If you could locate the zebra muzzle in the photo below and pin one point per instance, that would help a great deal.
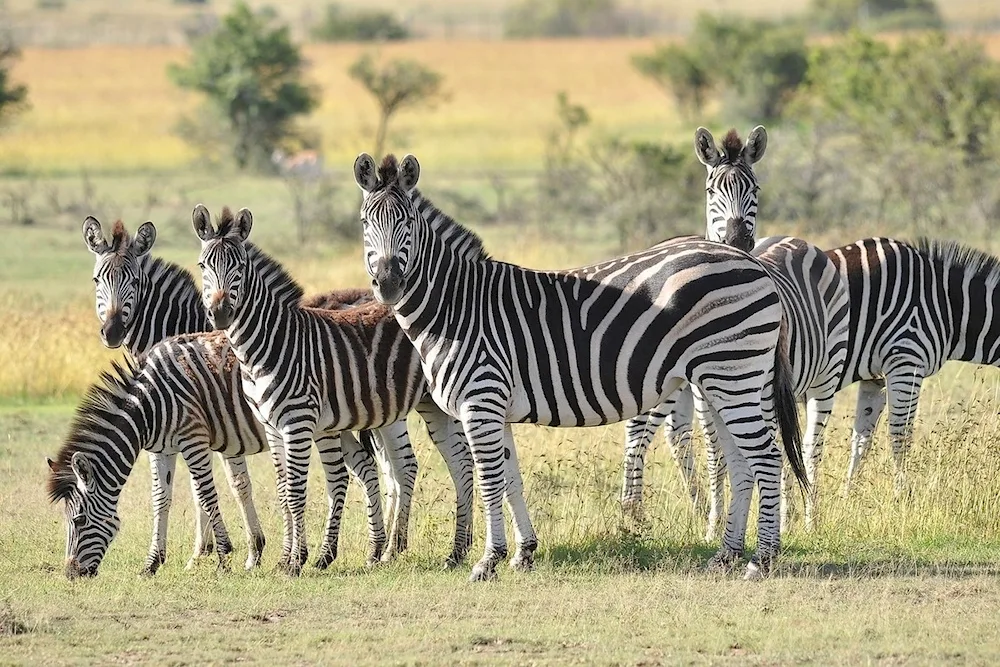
(388, 281)
(113, 330)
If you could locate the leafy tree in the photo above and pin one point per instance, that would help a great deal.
(13, 97)
(252, 74)
(568, 18)
(678, 72)
(396, 85)
(362, 25)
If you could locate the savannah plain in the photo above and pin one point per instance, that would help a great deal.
(880, 581)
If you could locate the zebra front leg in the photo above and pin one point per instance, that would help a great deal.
(242, 488)
(639, 432)
(484, 429)
(870, 404)
(276, 449)
(161, 470)
(198, 458)
(361, 462)
(394, 440)
(449, 438)
(331, 457)
(715, 463)
(818, 409)
(297, 437)
(524, 533)
(903, 388)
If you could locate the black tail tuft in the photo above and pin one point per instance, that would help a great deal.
(786, 409)
(367, 439)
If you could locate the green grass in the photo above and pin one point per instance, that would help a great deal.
(880, 581)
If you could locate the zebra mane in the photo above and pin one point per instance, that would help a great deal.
(465, 242)
(166, 274)
(279, 282)
(954, 254)
(732, 146)
(105, 397)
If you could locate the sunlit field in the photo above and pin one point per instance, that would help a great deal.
(882, 580)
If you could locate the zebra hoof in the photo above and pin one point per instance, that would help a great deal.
(723, 562)
(153, 563)
(455, 558)
(523, 562)
(632, 509)
(484, 570)
(324, 561)
(758, 569)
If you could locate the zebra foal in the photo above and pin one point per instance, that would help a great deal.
(501, 344)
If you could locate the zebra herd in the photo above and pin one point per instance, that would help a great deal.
(724, 326)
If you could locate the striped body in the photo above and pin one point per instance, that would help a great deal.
(500, 343)
(913, 307)
(307, 371)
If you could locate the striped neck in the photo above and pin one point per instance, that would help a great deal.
(169, 304)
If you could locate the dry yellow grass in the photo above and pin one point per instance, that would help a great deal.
(113, 107)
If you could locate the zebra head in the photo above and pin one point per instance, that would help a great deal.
(223, 261)
(387, 220)
(119, 278)
(731, 186)
(91, 516)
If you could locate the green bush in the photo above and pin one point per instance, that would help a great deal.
(570, 18)
(842, 15)
(362, 25)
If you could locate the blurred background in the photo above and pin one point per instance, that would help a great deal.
(561, 130)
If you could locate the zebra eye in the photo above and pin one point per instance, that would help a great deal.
(79, 520)
(95, 281)
(711, 191)
(201, 265)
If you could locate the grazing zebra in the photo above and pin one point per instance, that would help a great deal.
(141, 301)
(306, 370)
(502, 344)
(913, 307)
(815, 302)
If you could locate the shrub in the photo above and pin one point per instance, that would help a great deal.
(362, 25)
(571, 18)
(842, 15)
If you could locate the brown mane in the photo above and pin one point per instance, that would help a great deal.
(366, 315)
(732, 146)
(339, 299)
(120, 239)
(388, 171)
(226, 221)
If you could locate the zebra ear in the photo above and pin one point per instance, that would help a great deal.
(202, 221)
(244, 221)
(704, 148)
(409, 173)
(93, 236)
(144, 239)
(51, 464)
(364, 172)
(83, 470)
(756, 144)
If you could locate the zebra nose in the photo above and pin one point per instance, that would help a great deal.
(222, 314)
(739, 234)
(113, 330)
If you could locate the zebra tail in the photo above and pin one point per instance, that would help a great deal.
(367, 439)
(786, 408)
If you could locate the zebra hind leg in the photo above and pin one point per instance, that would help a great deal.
(524, 533)
(242, 488)
(394, 441)
(198, 458)
(361, 462)
(870, 405)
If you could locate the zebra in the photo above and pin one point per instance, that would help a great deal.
(183, 396)
(914, 306)
(501, 344)
(815, 301)
(306, 370)
(141, 301)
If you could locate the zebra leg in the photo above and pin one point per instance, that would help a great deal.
(449, 438)
(242, 488)
(331, 457)
(298, 437)
(198, 458)
(741, 484)
(715, 462)
(276, 448)
(871, 403)
(766, 461)
(361, 462)
(524, 533)
(818, 409)
(639, 432)
(161, 470)
(903, 389)
(484, 428)
(394, 440)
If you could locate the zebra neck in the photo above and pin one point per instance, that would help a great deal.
(262, 321)
(169, 304)
(975, 328)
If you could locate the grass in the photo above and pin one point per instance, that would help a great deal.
(880, 581)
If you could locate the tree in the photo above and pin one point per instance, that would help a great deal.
(359, 25)
(842, 15)
(679, 72)
(252, 74)
(396, 85)
(13, 97)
